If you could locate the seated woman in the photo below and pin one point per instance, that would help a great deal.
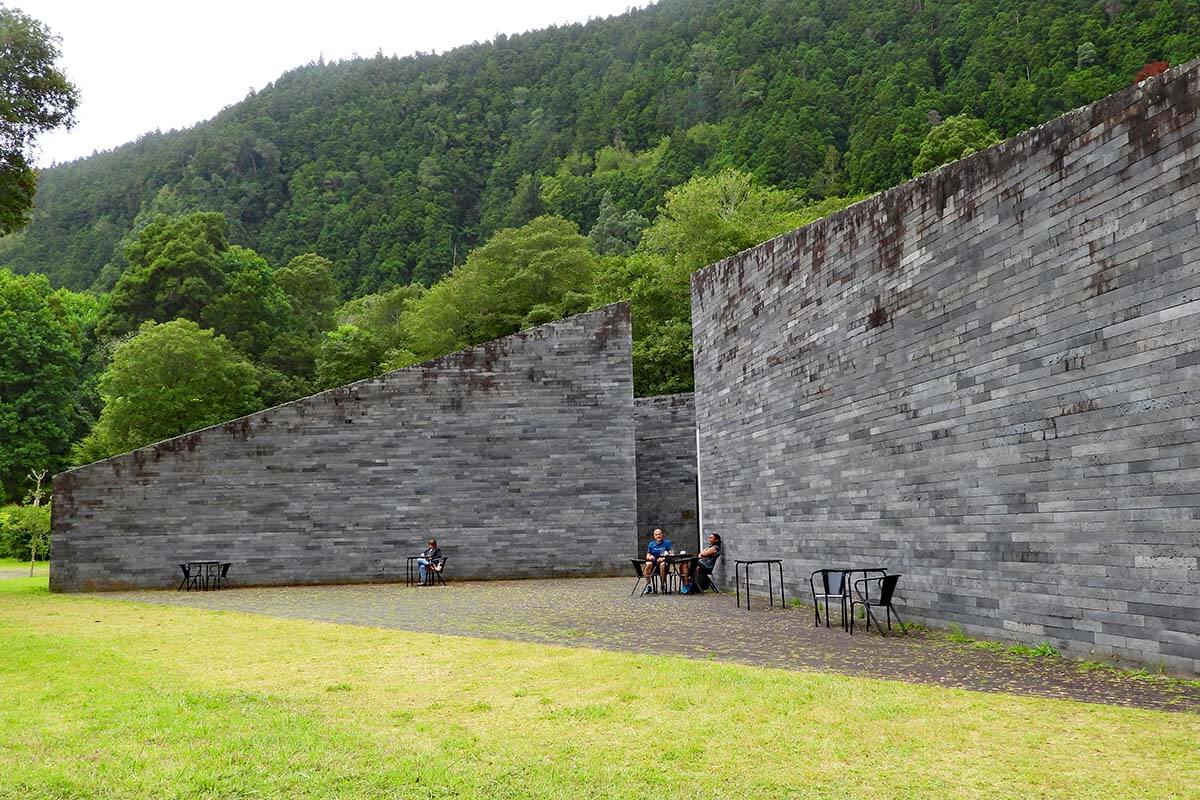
(430, 559)
(707, 563)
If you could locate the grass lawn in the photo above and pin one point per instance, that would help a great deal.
(109, 699)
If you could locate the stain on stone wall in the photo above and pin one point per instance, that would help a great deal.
(987, 379)
(518, 455)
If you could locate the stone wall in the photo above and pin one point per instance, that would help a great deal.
(666, 469)
(987, 379)
(518, 455)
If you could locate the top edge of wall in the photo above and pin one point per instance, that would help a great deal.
(612, 314)
(959, 177)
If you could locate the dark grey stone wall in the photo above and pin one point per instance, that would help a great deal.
(666, 469)
(987, 379)
(517, 455)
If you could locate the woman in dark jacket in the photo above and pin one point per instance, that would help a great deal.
(431, 558)
(708, 562)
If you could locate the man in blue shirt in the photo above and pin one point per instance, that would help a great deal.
(656, 555)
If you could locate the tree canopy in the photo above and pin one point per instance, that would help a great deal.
(951, 140)
(39, 359)
(34, 97)
(168, 379)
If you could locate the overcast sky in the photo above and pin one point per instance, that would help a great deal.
(142, 66)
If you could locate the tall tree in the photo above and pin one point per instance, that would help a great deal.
(39, 359)
(522, 276)
(34, 97)
(175, 270)
(957, 137)
(169, 379)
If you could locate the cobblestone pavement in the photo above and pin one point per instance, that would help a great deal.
(599, 613)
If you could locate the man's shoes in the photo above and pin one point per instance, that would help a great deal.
(648, 590)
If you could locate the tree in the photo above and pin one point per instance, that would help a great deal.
(175, 270)
(955, 138)
(382, 314)
(348, 353)
(39, 359)
(709, 218)
(252, 310)
(829, 180)
(169, 379)
(308, 282)
(39, 542)
(616, 232)
(36, 98)
(499, 289)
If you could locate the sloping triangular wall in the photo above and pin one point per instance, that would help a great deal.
(517, 455)
(987, 379)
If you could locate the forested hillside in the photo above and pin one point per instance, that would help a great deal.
(395, 168)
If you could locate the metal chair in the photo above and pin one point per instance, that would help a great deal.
(704, 581)
(833, 584)
(887, 587)
(654, 581)
(190, 580)
(433, 572)
(221, 577)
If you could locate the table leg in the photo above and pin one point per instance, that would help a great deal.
(770, 588)
(782, 601)
(746, 570)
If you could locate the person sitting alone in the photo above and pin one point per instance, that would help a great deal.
(656, 556)
(431, 559)
(707, 563)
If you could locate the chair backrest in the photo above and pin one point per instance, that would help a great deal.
(887, 585)
(831, 581)
(834, 580)
(638, 566)
(225, 569)
(187, 570)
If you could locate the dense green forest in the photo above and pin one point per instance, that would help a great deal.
(395, 168)
(367, 215)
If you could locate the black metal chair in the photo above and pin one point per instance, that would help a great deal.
(704, 581)
(433, 572)
(887, 588)
(191, 580)
(833, 584)
(221, 576)
(655, 581)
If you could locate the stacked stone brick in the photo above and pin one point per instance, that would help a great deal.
(517, 455)
(987, 379)
(666, 469)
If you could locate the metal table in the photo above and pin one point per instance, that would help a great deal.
(742, 565)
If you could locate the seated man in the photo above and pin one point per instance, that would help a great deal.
(707, 562)
(430, 559)
(656, 555)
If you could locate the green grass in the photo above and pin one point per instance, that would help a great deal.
(954, 633)
(121, 700)
(1043, 650)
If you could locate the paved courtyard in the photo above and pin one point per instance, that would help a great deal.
(599, 613)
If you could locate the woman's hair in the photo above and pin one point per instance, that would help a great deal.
(432, 542)
(716, 536)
